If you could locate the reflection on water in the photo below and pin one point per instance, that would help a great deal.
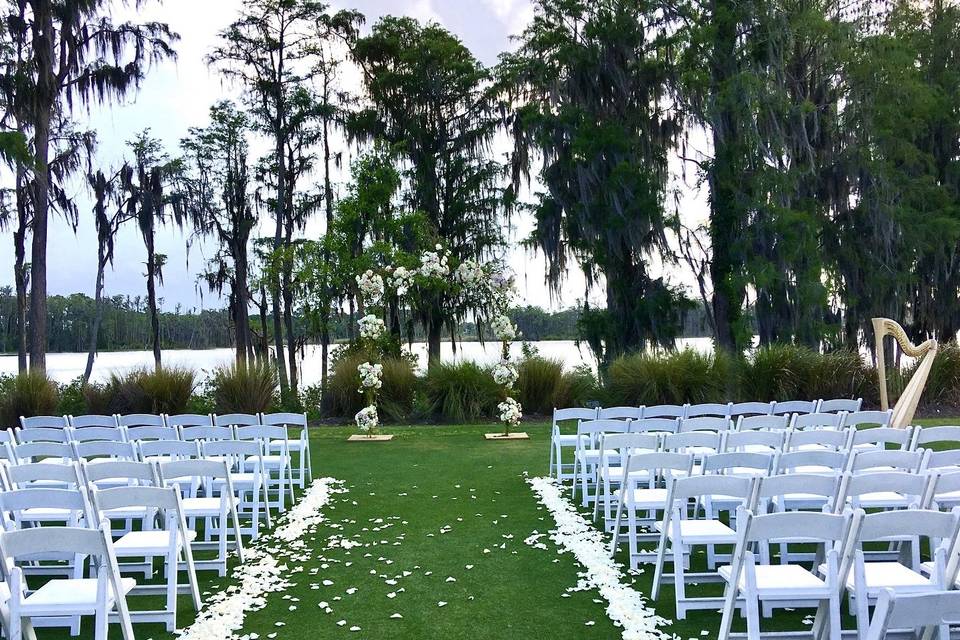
(64, 367)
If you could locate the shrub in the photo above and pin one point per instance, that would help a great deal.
(543, 385)
(671, 378)
(778, 372)
(460, 392)
(396, 396)
(28, 394)
(72, 399)
(244, 387)
(838, 374)
(943, 383)
(164, 390)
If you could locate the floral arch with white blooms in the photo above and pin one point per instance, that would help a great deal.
(488, 286)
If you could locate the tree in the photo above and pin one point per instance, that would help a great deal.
(152, 196)
(271, 51)
(431, 102)
(591, 81)
(107, 218)
(220, 206)
(73, 53)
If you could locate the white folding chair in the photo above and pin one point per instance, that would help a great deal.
(915, 612)
(865, 580)
(664, 411)
(642, 491)
(249, 485)
(216, 504)
(882, 490)
(60, 452)
(655, 425)
(97, 452)
(166, 450)
(871, 460)
(944, 460)
(94, 434)
(876, 418)
(188, 420)
(40, 434)
(100, 597)
(762, 423)
(295, 444)
(840, 405)
(146, 432)
(752, 582)
(821, 461)
(738, 409)
(44, 422)
(790, 407)
(141, 420)
(796, 492)
(818, 440)
(943, 492)
(118, 473)
(236, 419)
(880, 439)
(756, 441)
(49, 475)
(696, 443)
(615, 448)
(170, 542)
(715, 409)
(205, 432)
(280, 463)
(705, 423)
(82, 422)
(925, 436)
(682, 529)
(586, 454)
(817, 421)
(619, 413)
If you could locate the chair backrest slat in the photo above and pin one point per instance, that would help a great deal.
(664, 411)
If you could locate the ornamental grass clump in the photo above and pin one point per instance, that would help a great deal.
(28, 394)
(244, 387)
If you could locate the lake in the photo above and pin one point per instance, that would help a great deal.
(64, 367)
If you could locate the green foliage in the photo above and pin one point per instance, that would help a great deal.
(164, 390)
(395, 399)
(460, 392)
(28, 394)
(543, 385)
(943, 383)
(244, 387)
(666, 378)
(72, 399)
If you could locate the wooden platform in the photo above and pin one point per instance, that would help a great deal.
(373, 438)
(520, 435)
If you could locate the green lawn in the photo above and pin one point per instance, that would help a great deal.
(426, 506)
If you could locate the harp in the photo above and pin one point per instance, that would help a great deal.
(907, 402)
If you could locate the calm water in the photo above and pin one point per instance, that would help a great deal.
(64, 367)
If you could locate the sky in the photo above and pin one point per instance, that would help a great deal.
(178, 94)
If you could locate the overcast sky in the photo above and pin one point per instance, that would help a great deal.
(177, 95)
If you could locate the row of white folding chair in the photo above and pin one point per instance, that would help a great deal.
(752, 582)
(803, 451)
(276, 454)
(149, 426)
(732, 410)
(207, 488)
(589, 451)
(150, 505)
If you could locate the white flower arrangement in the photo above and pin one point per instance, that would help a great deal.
(505, 374)
(510, 412)
(367, 419)
(401, 280)
(433, 264)
(469, 274)
(371, 327)
(371, 376)
(626, 606)
(503, 328)
(371, 287)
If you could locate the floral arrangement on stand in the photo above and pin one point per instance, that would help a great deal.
(486, 286)
(372, 328)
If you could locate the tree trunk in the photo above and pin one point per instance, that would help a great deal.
(98, 317)
(43, 101)
(20, 269)
(326, 313)
(241, 297)
(725, 214)
(291, 335)
(152, 298)
(434, 337)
